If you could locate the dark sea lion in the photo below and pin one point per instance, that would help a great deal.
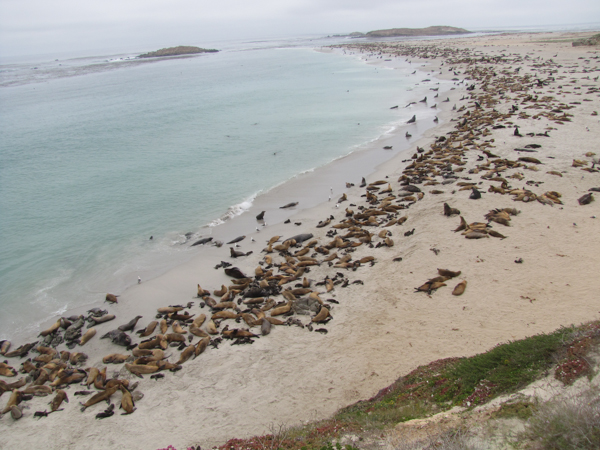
(413, 119)
(21, 350)
(261, 216)
(202, 241)
(475, 194)
(118, 337)
(129, 326)
(299, 238)
(237, 239)
(289, 205)
(234, 272)
(586, 199)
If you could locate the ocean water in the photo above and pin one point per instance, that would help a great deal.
(99, 153)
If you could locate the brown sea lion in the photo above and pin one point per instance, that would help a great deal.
(127, 402)
(148, 330)
(87, 336)
(321, 316)
(15, 398)
(99, 397)
(460, 288)
(201, 346)
(111, 298)
(139, 370)
(58, 399)
(115, 358)
(51, 330)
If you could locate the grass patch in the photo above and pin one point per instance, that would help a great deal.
(518, 410)
(565, 424)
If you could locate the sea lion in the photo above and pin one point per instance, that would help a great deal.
(224, 315)
(289, 205)
(260, 216)
(102, 319)
(139, 370)
(447, 273)
(127, 402)
(58, 399)
(586, 199)
(176, 326)
(282, 309)
(265, 327)
(202, 241)
(460, 288)
(321, 316)
(50, 330)
(129, 326)
(413, 119)
(148, 330)
(169, 309)
(186, 354)
(201, 346)
(118, 337)
(111, 298)
(164, 326)
(7, 371)
(198, 321)
(87, 336)
(237, 239)
(38, 391)
(448, 211)
(174, 337)
(99, 397)
(235, 272)
(21, 350)
(299, 238)
(115, 358)
(92, 374)
(4, 347)
(211, 327)
(151, 343)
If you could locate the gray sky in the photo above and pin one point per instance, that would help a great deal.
(52, 26)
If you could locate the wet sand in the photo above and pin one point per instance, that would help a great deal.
(381, 328)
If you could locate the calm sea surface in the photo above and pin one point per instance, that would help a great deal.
(99, 153)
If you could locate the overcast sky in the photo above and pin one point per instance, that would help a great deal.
(48, 26)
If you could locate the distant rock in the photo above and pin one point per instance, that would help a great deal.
(593, 40)
(429, 31)
(177, 51)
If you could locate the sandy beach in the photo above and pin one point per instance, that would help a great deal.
(540, 276)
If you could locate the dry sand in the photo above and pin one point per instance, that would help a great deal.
(382, 328)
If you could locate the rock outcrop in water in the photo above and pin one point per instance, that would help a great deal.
(429, 31)
(177, 51)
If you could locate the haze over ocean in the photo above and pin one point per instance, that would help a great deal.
(100, 153)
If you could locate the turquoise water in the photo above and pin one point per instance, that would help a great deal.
(97, 154)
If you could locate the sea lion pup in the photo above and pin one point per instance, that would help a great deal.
(111, 298)
(99, 397)
(460, 288)
(129, 326)
(148, 330)
(448, 211)
(51, 330)
(58, 399)
(87, 336)
(127, 401)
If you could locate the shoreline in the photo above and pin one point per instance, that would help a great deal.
(311, 188)
(381, 328)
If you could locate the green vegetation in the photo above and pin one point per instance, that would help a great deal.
(465, 382)
(592, 40)
(177, 51)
